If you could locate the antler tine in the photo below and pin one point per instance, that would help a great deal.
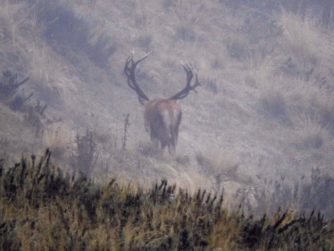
(185, 91)
(143, 58)
(134, 64)
(197, 83)
(129, 71)
(188, 69)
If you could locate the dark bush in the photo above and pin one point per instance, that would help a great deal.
(71, 35)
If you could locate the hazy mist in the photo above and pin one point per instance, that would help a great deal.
(260, 127)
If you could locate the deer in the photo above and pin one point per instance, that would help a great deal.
(162, 116)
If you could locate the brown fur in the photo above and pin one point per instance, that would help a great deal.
(162, 121)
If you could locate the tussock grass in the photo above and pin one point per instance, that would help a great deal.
(306, 42)
(43, 208)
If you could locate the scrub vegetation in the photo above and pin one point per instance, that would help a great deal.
(43, 208)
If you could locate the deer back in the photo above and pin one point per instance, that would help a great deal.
(162, 120)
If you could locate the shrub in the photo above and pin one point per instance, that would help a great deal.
(307, 194)
(9, 86)
(273, 104)
(67, 32)
(86, 155)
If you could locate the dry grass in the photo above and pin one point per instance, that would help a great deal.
(306, 42)
(43, 208)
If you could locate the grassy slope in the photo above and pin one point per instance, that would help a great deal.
(265, 108)
(43, 208)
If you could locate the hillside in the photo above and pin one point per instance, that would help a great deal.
(261, 124)
(43, 208)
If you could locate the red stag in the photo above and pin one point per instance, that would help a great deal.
(162, 115)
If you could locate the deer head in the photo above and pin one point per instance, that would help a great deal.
(162, 115)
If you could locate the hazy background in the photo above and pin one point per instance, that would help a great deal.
(261, 126)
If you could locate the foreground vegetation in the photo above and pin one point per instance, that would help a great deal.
(41, 208)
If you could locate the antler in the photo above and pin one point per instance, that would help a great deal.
(185, 91)
(129, 70)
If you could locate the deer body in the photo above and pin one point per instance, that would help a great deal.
(162, 120)
(162, 116)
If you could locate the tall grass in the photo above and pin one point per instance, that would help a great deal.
(43, 208)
